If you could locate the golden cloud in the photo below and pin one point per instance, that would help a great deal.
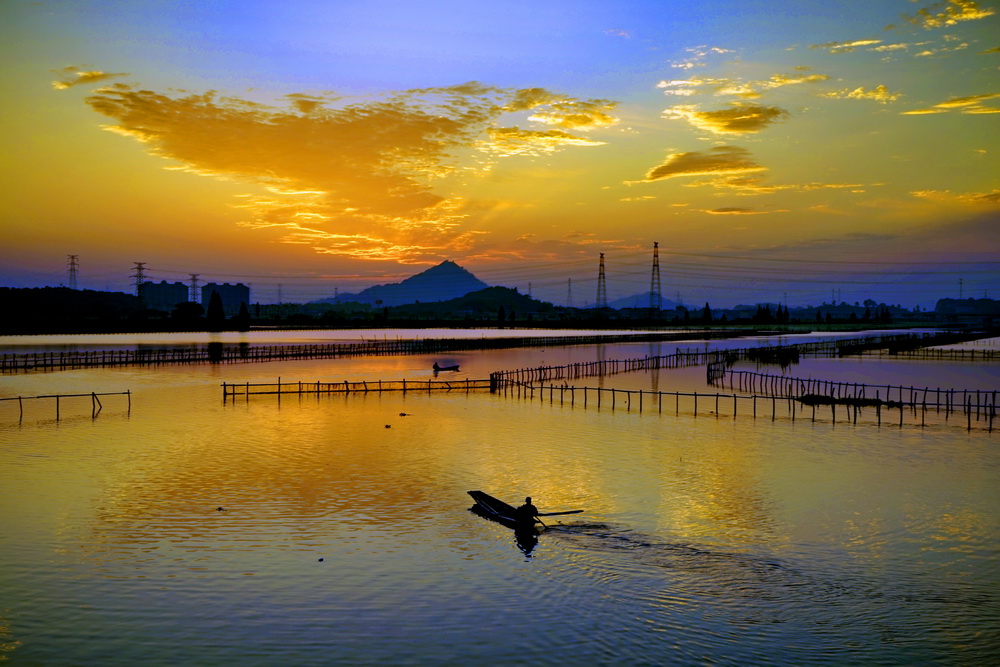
(734, 210)
(509, 141)
(948, 13)
(577, 114)
(971, 100)
(970, 104)
(741, 118)
(717, 161)
(562, 111)
(308, 103)
(530, 98)
(755, 185)
(74, 76)
(990, 199)
(350, 177)
(880, 94)
(744, 89)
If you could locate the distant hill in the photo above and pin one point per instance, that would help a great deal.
(445, 281)
(641, 301)
(484, 301)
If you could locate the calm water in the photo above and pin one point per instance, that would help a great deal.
(342, 541)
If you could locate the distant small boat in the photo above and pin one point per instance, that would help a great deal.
(444, 368)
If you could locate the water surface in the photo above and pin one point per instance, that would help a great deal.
(344, 535)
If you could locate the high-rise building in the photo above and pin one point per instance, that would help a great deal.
(163, 295)
(233, 296)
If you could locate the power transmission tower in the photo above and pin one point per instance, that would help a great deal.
(602, 286)
(569, 292)
(193, 288)
(139, 277)
(654, 280)
(73, 266)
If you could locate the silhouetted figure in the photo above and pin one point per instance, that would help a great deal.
(527, 512)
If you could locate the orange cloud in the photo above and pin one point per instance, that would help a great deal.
(741, 118)
(754, 185)
(989, 199)
(718, 161)
(348, 177)
(507, 141)
(734, 210)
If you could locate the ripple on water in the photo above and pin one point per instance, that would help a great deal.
(745, 605)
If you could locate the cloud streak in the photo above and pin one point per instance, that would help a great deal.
(736, 87)
(847, 46)
(971, 104)
(75, 76)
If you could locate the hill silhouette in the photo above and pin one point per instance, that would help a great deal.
(58, 309)
(485, 301)
(445, 281)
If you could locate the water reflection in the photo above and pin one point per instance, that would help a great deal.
(525, 537)
(707, 540)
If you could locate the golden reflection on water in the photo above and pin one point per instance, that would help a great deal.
(309, 477)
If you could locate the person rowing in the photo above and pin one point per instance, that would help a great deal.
(527, 513)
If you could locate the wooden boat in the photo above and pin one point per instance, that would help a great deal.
(444, 368)
(499, 511)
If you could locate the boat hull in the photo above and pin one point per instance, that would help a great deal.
(497, 510)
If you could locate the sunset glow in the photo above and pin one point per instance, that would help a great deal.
(779, 151)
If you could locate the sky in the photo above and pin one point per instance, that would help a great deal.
(789, 151)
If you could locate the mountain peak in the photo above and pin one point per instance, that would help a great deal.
(442, 282)
(447, 269)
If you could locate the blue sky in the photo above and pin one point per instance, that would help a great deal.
(775, 150)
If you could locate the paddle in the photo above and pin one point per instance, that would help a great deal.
(558, 513)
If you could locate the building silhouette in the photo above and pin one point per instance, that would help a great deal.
(233, 296)
(163, 295)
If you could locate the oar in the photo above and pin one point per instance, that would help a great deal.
(558, 513)
(540, 521)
